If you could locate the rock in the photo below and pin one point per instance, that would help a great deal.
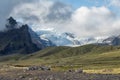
(79, 71)
(38, 68)
(21, 77)
(45, 68)
(71, 70)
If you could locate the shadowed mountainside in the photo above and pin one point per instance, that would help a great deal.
(17, 39)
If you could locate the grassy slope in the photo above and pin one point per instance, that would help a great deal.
(87, 57)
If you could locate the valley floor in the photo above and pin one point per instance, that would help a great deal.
(96, 63)
(22, 73)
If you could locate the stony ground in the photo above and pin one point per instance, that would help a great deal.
(53, 75)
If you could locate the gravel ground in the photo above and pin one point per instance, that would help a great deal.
(50, 75)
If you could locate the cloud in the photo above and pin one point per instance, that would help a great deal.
(43, 14)
(94, 21)
(6, 7)
(115, 3)
(84, 21)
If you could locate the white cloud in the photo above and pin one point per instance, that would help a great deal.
(93, 21)
(43, 14)
(115, 3)
(6, 7)
(84, 21)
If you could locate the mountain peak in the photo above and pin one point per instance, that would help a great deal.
(19, 39)
(25, 26)
(11, 23)
(11, 19)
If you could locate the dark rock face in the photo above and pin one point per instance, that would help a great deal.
(11, 23)
(17, 40)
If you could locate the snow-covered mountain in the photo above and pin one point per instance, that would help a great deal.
(20, 38)
(66, 38)
(50, 37)
(59, 39)
(91, 40)
(113, 40)
(37, 40)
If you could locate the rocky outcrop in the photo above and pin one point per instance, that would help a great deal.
(18, 39)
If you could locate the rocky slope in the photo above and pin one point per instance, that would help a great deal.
(19, 39)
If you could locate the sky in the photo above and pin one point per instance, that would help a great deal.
(84, 18)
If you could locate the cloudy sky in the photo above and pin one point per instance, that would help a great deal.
(81, 17)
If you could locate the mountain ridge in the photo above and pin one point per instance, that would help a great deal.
(19, 39)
